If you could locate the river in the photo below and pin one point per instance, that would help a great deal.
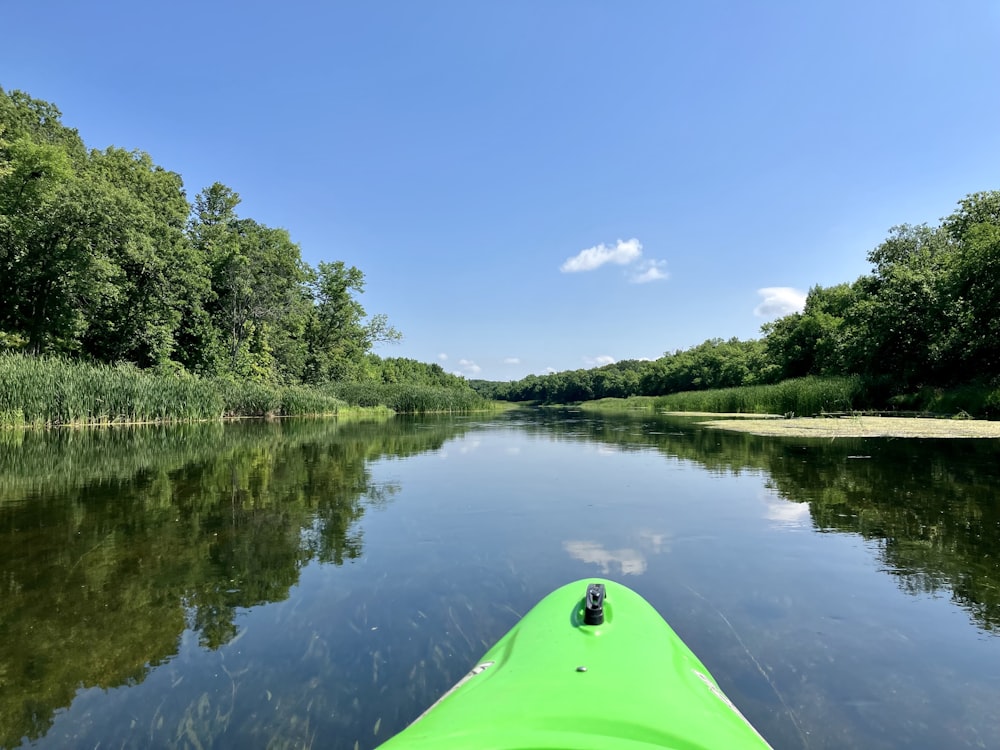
(309, 584)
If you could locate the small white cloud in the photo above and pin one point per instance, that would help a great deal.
(623, 253)
(512, 361)
(550, 370)
(778, 301)
(599, 361)
(650, 270)
(469, 367)
(443, 357)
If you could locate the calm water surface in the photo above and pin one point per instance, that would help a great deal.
(308, 584)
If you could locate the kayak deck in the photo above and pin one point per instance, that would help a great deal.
(562, 679)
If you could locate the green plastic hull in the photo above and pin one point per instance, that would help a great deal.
(555, 682)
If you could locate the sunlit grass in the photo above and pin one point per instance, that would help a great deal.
(801, 396)
(49, 391)
(632, 403)
(409, 399)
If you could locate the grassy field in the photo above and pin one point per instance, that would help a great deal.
(47, 392)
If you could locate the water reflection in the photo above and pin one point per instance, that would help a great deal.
(786, 514)
(626, 561)
(930, 506)
(113, 543)
(293, 584)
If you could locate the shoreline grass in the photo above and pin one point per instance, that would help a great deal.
(813, 396)
(804, 396)
(800, 396)
(44, 392)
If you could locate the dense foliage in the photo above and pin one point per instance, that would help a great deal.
(103, 261)
(926, 318)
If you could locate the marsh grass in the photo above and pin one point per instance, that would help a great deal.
(49, 392)
(800, 397)
(632, 403)
(408, 399)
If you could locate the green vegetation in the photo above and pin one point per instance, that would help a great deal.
(48, 391)
(140, 306)
(920, 332)
(797, 396)
(107, 263)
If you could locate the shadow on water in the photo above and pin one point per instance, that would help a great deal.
(930, 505)
(113, 543)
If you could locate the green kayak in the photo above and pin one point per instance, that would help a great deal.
(593, 665)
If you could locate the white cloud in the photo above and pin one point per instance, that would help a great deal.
(443, 357)
(650, 270)
(599, 361)
(512, 361)
(550, 370)
(623, 253)
(778, 301)
(468, 367)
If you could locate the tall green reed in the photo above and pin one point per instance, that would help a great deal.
(800, 396)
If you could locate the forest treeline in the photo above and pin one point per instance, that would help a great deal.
(104, 260)
(926, 318)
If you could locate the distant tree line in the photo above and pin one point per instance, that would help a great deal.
(926, 316)
(103, 259)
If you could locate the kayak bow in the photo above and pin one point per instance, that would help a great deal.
(593, 665)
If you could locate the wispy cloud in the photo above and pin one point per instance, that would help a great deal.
(512, 361)
(778, 301)
(650, 270)
(599, 361)
(622, 253)
(468, 367)
(443, 357)
(550, 370)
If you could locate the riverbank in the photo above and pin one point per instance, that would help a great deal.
(44, 392)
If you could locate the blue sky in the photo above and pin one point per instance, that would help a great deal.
(546, 184)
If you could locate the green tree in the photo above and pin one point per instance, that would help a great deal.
(258, 304)
(49, 269)
(974, 284)
(153, 272)
(338, 336)
(811, 342)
